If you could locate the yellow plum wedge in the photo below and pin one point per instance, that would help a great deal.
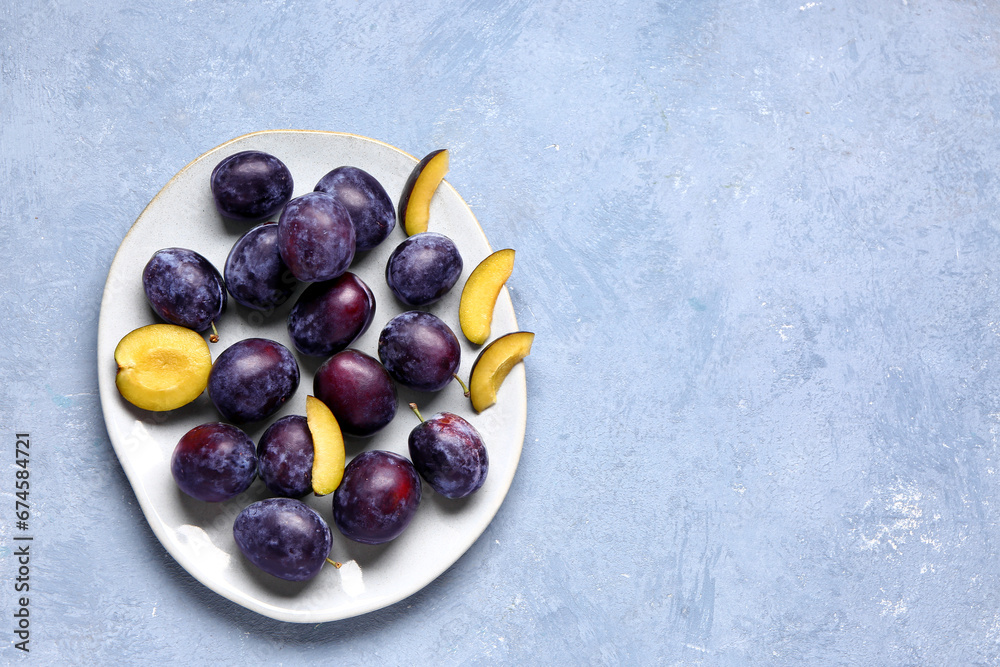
(162, 366)
(415, 202)
(493, 365)
(479, 296)
(328, 447)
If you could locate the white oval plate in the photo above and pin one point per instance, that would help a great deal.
(199, 535)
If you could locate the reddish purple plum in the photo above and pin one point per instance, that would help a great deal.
(316, 237)
(419, 350)
(214, 462)
(255, 273)
(285, 457)
(449, 454)
(331, 315)
(423, 268)
(372, 212)
(251, 185)
(184, 288)
(358, 391)
(252, 379)
(377, 498)
(283, 537)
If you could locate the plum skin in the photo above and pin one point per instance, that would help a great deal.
(285, 457)
(184, 288)
(214, 462)
(254, 272)
(331, 315)
(419, 350)
(358, 390)
(283, 537)
(316, 237)
(369, 205)
(250, 185)
(449, 454)
(423, 268)
(252, 379)
(377, 498)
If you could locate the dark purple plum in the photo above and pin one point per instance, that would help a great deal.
(184, 288)
(251, 185)
(255, 273)
(316, 237)
(377, 498)
(449, 454)
(285, 457)
(358, 391)
(331, 315)
(423, 268)
(372, 212)
(419, 350)
(214, 462)
(252, 379)
(283, 537)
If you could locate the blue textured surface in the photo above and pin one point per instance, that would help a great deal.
(757, 242)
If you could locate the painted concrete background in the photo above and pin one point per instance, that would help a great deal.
(758, 243)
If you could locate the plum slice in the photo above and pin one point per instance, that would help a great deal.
(479, 296)
(423, 182)
(494, 363)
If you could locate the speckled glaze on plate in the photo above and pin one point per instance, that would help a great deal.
(199, 535)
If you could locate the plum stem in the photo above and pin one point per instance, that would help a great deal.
(465, 388)
(334, 563)
(413, 406)
(214, 338)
